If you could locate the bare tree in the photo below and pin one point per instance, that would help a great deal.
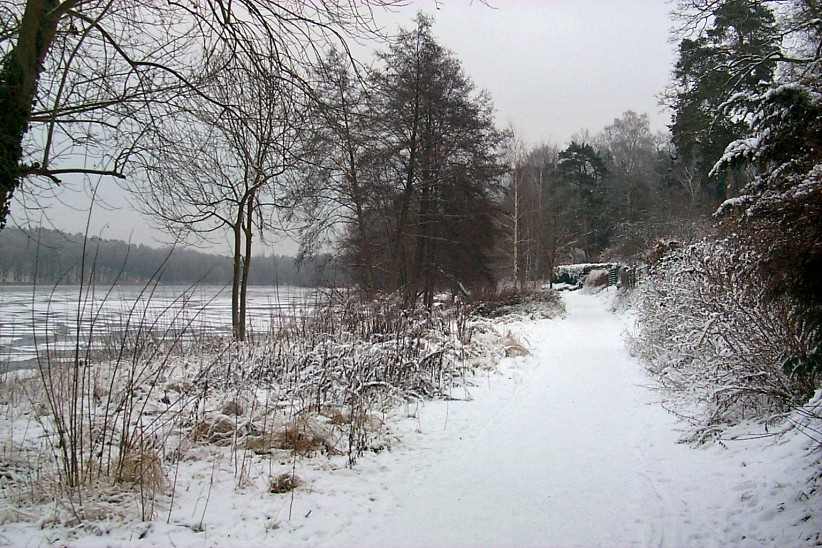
(517, 210)
(339, 179)
(83, 79)
(223, 168)
(630, 149)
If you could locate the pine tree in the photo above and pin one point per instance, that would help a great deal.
(777, 216)
(583, 169)
(710, 69)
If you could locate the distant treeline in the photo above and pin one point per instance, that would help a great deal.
(56, 256)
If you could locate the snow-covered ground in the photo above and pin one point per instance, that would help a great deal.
(565, 447)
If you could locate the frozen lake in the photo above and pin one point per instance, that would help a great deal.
(46, 318)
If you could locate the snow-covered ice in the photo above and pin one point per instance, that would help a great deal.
(567, 446)
(34, 319)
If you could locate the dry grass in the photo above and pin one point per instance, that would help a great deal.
(301, 439)
(338, 418)
(284, 483)
(233, 407)
(104, 425)
(216, 431)
(142, 465)
(313, 388)
(304, 436)
(336, 415)
(260, 445)
(180, 387)
(514, 347)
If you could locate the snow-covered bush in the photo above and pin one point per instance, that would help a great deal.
(321, 383)
(523, 304)
(778, 210)
(712, 335)
(575, 274)
(352, 347)
(352, 359)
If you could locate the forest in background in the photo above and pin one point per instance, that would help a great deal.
(57, 257)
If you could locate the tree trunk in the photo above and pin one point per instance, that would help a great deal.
(515, 271)
(366, 265)
(249, 233)
(19, 76)
(421, 245)
(539, 223)
(423, 268)
(399, 237)
(428, 256)
(236, 274)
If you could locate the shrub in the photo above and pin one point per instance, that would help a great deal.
(534, 304)
(316, 384)
(284, 483)
(710, 332)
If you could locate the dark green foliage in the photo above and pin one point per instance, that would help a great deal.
(787, 128)
(707, 73)
(780, 213)
(805, 368)
(582, 168)
(775, 220)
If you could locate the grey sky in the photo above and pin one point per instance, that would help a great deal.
(553, 68)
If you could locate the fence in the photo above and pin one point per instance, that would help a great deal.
(622, 276)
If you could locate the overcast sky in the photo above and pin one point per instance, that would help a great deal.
(553, 68)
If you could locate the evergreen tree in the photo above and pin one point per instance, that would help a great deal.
(583, 169)
(777, 216)
(710, 69)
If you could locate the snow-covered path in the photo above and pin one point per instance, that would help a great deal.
(571, 457)
(573, 452)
